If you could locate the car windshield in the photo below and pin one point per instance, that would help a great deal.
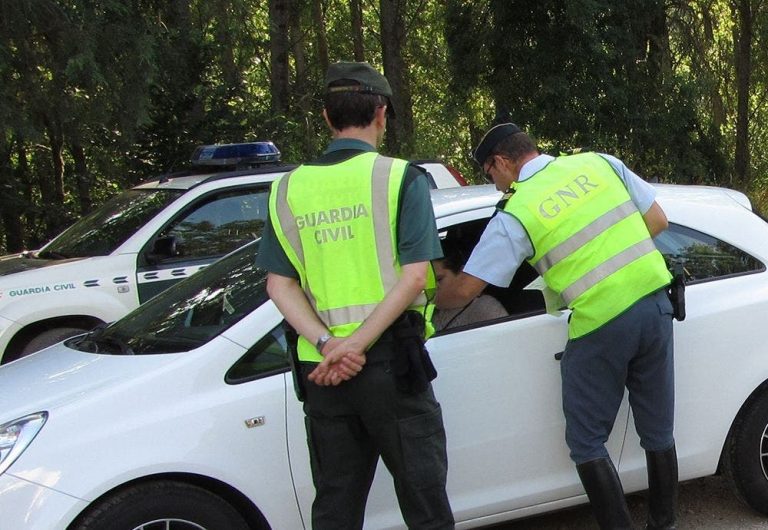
(189, 314)
(105, 229)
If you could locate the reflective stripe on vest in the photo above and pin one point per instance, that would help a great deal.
(590, 243)
(378, 213)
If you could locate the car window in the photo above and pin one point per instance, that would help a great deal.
(189, 314)
(495, 303)
(103, 230)
(702, 256)
(220, 224)
(267, 357)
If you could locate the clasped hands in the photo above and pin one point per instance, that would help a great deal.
(343, 359)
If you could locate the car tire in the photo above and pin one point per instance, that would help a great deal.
(47, 338)
(154, 506)
(745, 458)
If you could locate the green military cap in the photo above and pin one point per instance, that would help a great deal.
(491, 139)
(362, 76)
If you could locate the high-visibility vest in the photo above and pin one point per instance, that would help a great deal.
(591, 244)
(338, 226)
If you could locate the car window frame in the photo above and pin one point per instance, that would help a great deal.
(229, 379)
(689, 282)
(468, 216)
(184, 212)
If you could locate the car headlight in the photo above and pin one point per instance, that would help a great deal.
(16, 435)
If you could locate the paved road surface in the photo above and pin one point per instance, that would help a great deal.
(705, 504)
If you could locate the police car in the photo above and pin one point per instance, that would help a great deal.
(182, 414)
(141, 242)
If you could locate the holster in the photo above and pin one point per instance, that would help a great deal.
(292, 341)
(412, 366)
(677, 293)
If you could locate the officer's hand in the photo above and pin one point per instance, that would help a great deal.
(342, 361)
(336, 373)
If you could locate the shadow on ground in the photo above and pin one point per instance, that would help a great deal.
(706, 504)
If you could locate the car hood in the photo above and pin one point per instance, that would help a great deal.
(58, 376)
(22, 263)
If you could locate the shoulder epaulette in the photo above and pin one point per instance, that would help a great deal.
(504, 198)
(574, 151)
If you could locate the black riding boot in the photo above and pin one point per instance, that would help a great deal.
(662, 489)
(605, 493)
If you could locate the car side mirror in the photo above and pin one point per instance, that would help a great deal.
(163, 248)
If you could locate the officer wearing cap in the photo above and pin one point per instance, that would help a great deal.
(585, 222)
(357, 286)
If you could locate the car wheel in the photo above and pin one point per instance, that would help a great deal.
(47, 338)
(745, 459)
(162, 505)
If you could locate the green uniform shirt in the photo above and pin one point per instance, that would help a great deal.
(417, 232)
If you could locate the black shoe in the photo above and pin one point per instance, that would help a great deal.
(605, 493)
(662, 489)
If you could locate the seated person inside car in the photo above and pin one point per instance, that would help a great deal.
(484, 307)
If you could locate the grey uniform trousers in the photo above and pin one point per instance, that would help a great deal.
(634, 350)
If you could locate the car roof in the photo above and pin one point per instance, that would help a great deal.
(448, 201)
(705, 195)
(186, 180)
(466, 198)
(189, 179)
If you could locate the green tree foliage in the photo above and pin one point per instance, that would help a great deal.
(582, 74)
(76, 86)
(100, 94)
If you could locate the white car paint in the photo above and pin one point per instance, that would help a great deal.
(114, 419)
(81, 292)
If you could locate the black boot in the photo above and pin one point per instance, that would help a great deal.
(662, 489)
(605, 493)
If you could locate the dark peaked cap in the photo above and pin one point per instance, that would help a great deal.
(365, 79)
(491, 139)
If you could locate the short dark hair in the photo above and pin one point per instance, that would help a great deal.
(515, 146)
(455, 254)
(351, 109)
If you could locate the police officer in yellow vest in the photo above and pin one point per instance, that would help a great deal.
(585, 223)
(354, 280)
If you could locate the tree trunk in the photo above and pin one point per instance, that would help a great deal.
(400, 132)
(704, 47)
(279, 46)
(659, 54)
(82, 178)
(318, 21)
(301, 91)
(299, 57)
(356, 13)
(743, 50)
(10, 204)
(52, 190)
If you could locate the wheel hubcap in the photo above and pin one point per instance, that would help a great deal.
(764, 452)
(169, 524)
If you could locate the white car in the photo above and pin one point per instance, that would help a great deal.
(141, 242)
(184, 413)
(442, 175)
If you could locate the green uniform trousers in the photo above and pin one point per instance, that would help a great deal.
(349, 426)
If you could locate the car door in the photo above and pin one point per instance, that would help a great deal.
(499, 387)
(713, 346)
(212, 226)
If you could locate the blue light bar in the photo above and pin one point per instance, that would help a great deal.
(235, 154)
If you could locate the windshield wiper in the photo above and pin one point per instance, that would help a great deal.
(114, 341)
(50, 254)
(178, 340)
(96, 337)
